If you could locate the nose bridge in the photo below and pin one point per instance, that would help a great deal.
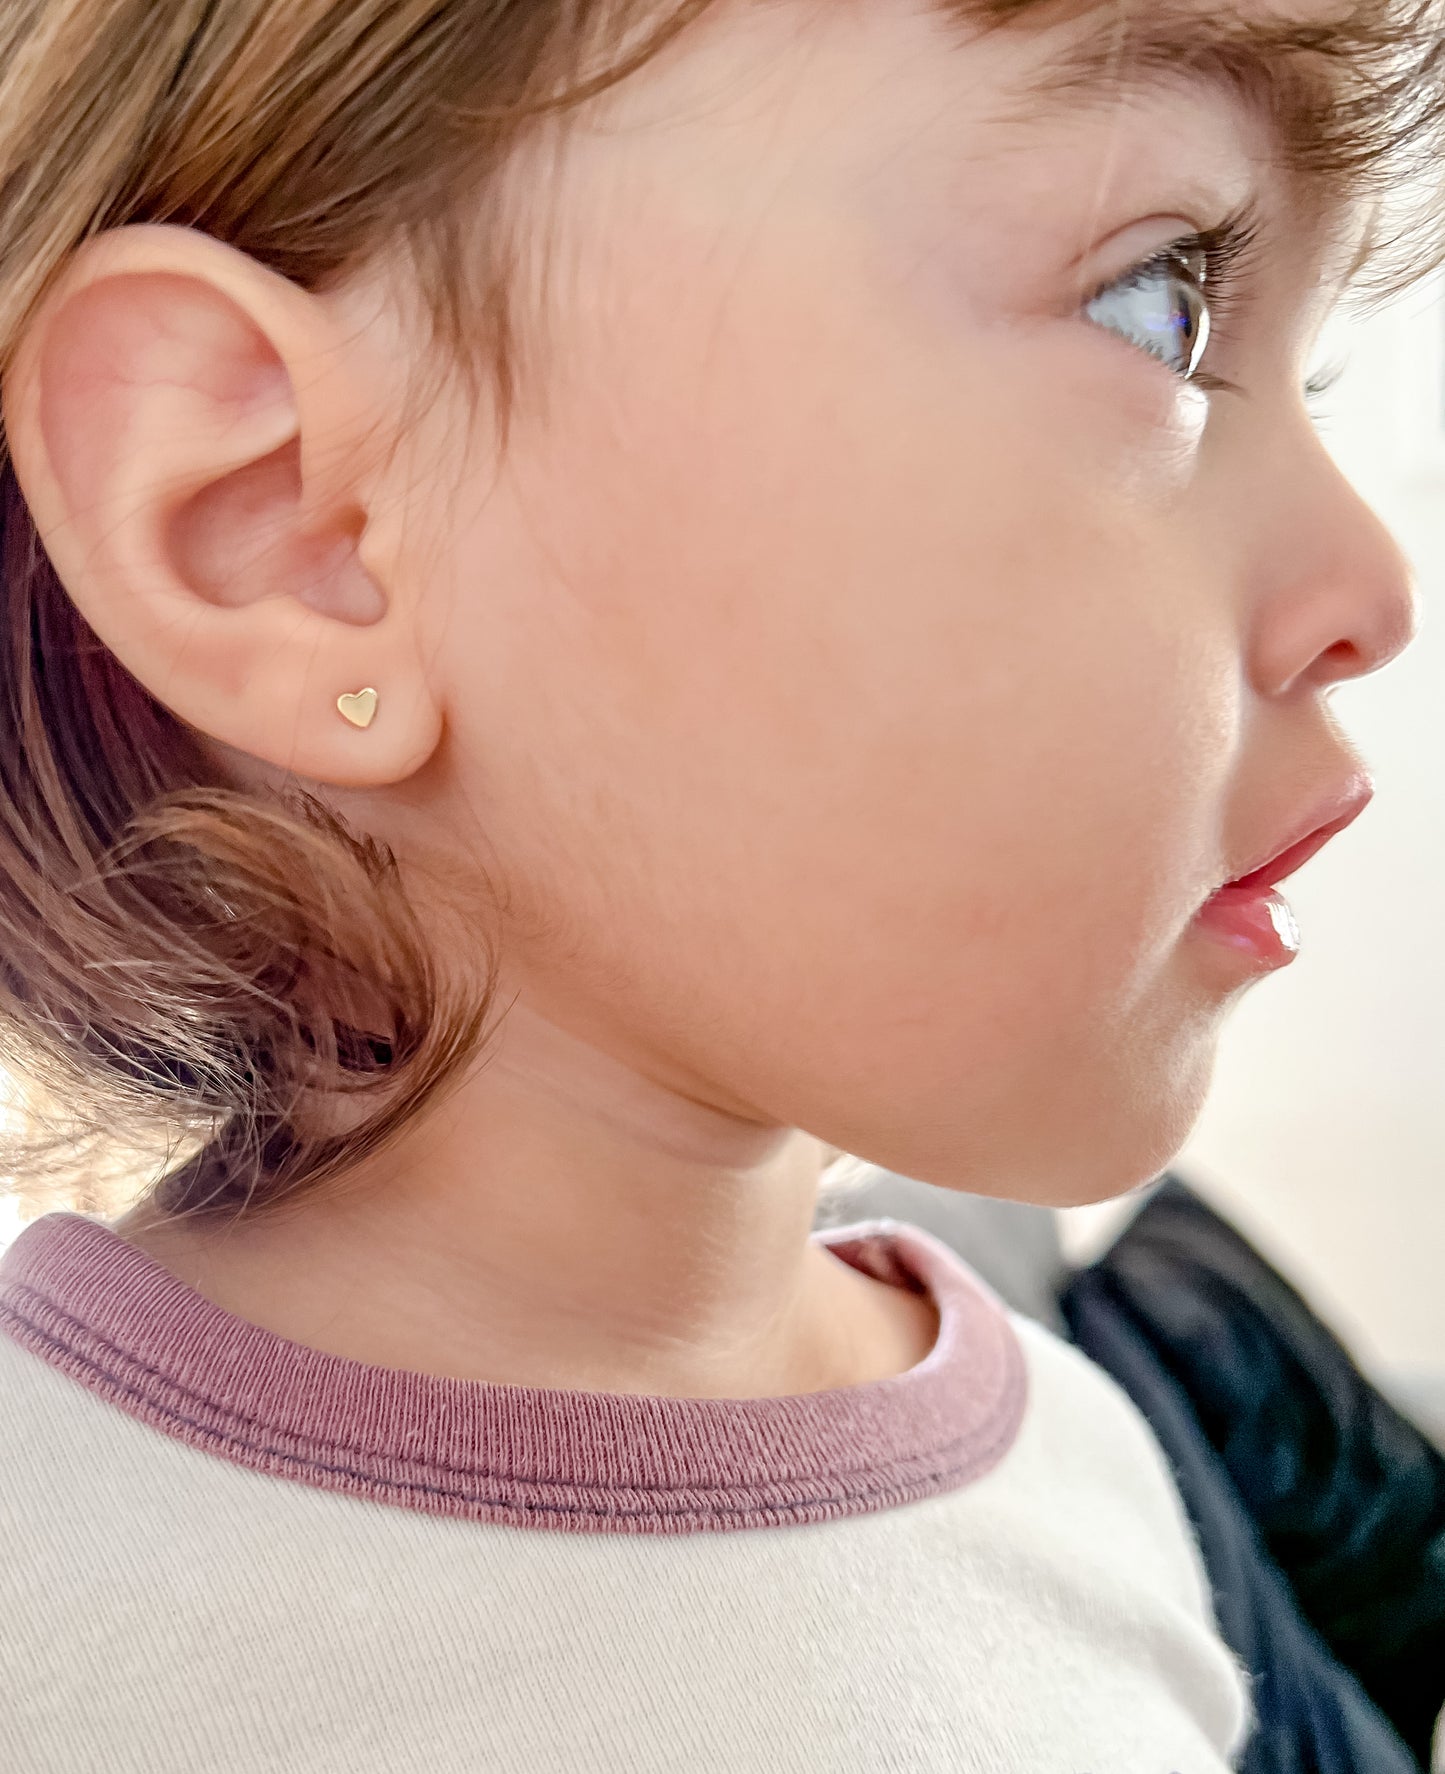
(1341, 599)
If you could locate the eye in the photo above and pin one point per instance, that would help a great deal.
(1160, 306)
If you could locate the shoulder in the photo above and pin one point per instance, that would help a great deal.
(1085, 1441)
(1089, 1486)
(1079, 1541)
(1072, 1396)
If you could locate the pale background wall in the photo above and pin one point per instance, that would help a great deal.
(1324, 1136)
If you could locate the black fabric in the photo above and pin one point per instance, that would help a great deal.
(1320, 1510)
(1313, 1717)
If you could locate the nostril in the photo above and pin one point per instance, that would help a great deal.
(1342, 661)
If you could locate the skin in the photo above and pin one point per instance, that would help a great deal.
(853, 678)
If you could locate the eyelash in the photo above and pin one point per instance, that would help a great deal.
(1228, 253)
(1323, 380)
(1225, 254)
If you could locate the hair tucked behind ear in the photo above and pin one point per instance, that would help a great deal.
(244, 970)
(239, 971)
(173, 949)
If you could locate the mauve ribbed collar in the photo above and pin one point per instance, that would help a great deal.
(80, 1297)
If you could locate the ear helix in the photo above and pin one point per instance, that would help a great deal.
(357, 706)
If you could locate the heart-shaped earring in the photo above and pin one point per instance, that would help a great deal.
(357, 706)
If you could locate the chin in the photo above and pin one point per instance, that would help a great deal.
(1074, 1190)
(1120, 1146)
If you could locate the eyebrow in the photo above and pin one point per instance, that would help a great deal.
(1344, 98)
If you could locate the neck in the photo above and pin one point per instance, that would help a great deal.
(564, 1220)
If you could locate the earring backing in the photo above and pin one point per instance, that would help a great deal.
(357, 706)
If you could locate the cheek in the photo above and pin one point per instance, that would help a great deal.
(853, 706)
(862, 613)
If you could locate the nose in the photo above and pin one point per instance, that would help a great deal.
(1343, 597)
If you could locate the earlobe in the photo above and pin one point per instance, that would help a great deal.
(193, 437)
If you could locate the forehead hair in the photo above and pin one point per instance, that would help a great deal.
(1352, 94)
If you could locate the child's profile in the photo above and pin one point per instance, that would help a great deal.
(602, 603)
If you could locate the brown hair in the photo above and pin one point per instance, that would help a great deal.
(170, 947)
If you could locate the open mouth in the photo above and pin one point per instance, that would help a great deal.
(1288, 862)
(1250, 916)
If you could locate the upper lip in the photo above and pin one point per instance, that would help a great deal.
(1310, 835)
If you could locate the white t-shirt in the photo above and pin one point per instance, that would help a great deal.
(225, 1553)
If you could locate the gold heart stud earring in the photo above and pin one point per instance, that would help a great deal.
(357, 706)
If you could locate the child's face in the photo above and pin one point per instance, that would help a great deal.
(866, 664)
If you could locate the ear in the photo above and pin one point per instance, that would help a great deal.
(193, 435)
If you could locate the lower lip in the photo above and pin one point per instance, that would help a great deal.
(1256, 921)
